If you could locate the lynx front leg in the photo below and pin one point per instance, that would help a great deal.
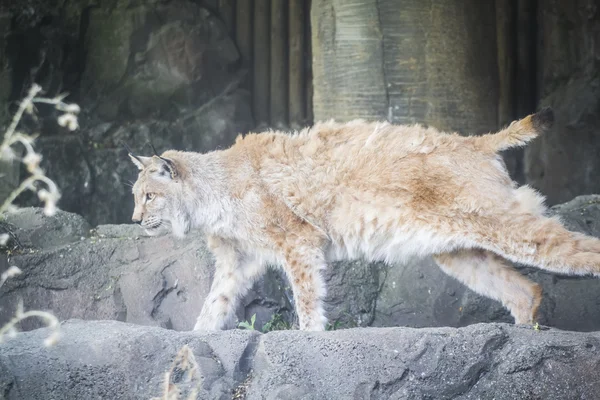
(234, 276)
(303, 268)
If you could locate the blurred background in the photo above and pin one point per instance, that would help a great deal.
(192, 75)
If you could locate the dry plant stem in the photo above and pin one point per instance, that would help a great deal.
(185, 361)
(49, 196)
(35, 89)
(19, 138)
(50, 319)
(28, 184)
(12, 271)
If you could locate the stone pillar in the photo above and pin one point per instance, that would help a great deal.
(406, 61)
(565, 162)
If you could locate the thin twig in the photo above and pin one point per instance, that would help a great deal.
(35, 89)
(28, 184)
(50, 319)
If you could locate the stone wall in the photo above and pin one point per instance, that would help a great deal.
(161, 73)
(406, 61)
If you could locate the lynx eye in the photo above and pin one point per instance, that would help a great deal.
(150, 196)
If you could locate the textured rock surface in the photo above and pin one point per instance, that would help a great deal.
(140, 64)
(36, 230)
(111, 360)
(107, 359)
(114, 274)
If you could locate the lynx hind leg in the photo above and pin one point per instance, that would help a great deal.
(303, 268)
(534, 240)
(489, 275)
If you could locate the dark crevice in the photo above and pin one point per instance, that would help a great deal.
(387, 390)
(244, 367)
(162, 293)
(242, 374)
(381, 270)
(81, 54)
(479, 369)
(7, 389)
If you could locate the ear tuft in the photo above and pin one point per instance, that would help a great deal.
(139, 161)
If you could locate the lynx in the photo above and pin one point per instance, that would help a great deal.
(370, 190)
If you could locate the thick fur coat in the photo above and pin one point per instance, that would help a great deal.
(360, 189)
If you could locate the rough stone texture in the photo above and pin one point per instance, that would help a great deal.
(165, 73)
(111, 360)
(117, 273)
(480, 361)
(564, 162)
(432, 63)
(156, 57)
(108, 359)
(35, 230)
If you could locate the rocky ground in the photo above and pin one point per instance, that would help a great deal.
(130, 298)
(115, 360)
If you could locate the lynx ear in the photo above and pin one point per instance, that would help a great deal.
(167, 166)
(140, 162)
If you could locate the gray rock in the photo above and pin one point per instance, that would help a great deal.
(353, 290)
(34, 229)
(109, 359)
(479, 361)
(149, 281)
(165, 65)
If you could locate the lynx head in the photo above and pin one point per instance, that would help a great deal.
(157, 195)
